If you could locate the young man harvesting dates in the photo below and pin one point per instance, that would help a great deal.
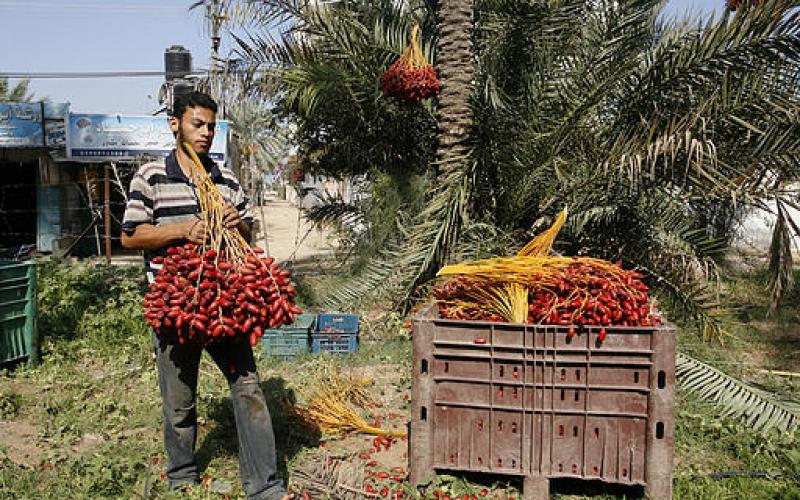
(164, 211)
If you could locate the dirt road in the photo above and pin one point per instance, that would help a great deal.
(291, 238)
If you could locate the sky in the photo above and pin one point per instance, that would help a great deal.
(127, 35)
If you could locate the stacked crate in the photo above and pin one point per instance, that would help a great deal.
(289, 340)
(17, 311)
(335, 333)
(528, 400)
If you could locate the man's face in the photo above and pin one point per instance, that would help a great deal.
(195, 126)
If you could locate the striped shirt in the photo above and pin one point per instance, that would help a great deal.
(160, 194)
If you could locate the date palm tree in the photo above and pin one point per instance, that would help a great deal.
(658, 135)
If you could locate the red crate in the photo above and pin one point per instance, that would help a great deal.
(527, 400)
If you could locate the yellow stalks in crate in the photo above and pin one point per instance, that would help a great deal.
(506, 281)
(541, 245)
(536, 287)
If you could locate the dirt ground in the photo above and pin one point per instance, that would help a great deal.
(289, 236)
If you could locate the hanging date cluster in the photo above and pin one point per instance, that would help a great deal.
(205, 298)
(411, 78)
(409, 84)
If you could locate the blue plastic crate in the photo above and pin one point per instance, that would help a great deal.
(334, 343)
(289, 340)
(337, 323)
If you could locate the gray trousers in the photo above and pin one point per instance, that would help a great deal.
(178, 366)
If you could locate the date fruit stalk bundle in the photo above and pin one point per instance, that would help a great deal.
(222, 290)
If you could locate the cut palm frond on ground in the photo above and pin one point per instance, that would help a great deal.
(759, 409)
(329, 476)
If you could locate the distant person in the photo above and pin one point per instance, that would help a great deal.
(163, 211)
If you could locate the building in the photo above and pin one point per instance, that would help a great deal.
(65, 175)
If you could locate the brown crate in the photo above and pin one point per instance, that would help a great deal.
(527, 400)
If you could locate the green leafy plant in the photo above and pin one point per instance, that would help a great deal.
(90, 301)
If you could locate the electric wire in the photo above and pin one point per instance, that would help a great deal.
(88, 74)
(96, 6)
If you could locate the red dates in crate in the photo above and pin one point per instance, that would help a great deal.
(581, 294)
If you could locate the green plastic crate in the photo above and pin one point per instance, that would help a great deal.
(18, 335)
(290, 340)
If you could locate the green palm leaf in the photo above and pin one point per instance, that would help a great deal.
(17, 93)
(759, 409)
(417, 254)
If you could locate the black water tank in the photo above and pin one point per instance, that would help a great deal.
(177, 62)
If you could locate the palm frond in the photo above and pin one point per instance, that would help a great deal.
(262, 13)
(726, 72)
(334, 210)
(419, 252)
(362, 286)
(759, 409)
(781, 275)
(694, 297)
(18, 93)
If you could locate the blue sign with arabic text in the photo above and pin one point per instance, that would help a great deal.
(21, 124)
(118, 137)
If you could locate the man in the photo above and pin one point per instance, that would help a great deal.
(162, 211)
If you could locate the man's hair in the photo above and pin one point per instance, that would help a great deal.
(192, 100)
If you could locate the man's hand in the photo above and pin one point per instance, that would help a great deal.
(230, 218)
(196, 231)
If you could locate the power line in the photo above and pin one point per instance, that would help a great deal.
(95, 6)
(88, 74)
(104, 74)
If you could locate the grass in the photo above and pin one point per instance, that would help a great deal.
(88, 416)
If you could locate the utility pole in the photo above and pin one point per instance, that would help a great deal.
(107, 211)
(215, 18)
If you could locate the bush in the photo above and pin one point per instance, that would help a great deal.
(95, 303)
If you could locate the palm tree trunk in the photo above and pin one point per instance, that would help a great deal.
(437, 227)
(454, 60)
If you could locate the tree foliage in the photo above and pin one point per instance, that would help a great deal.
(657, 135)
(17, 93)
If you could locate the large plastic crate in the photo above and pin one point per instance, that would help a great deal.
(18, 335)
(289, 340)
(526, 400)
